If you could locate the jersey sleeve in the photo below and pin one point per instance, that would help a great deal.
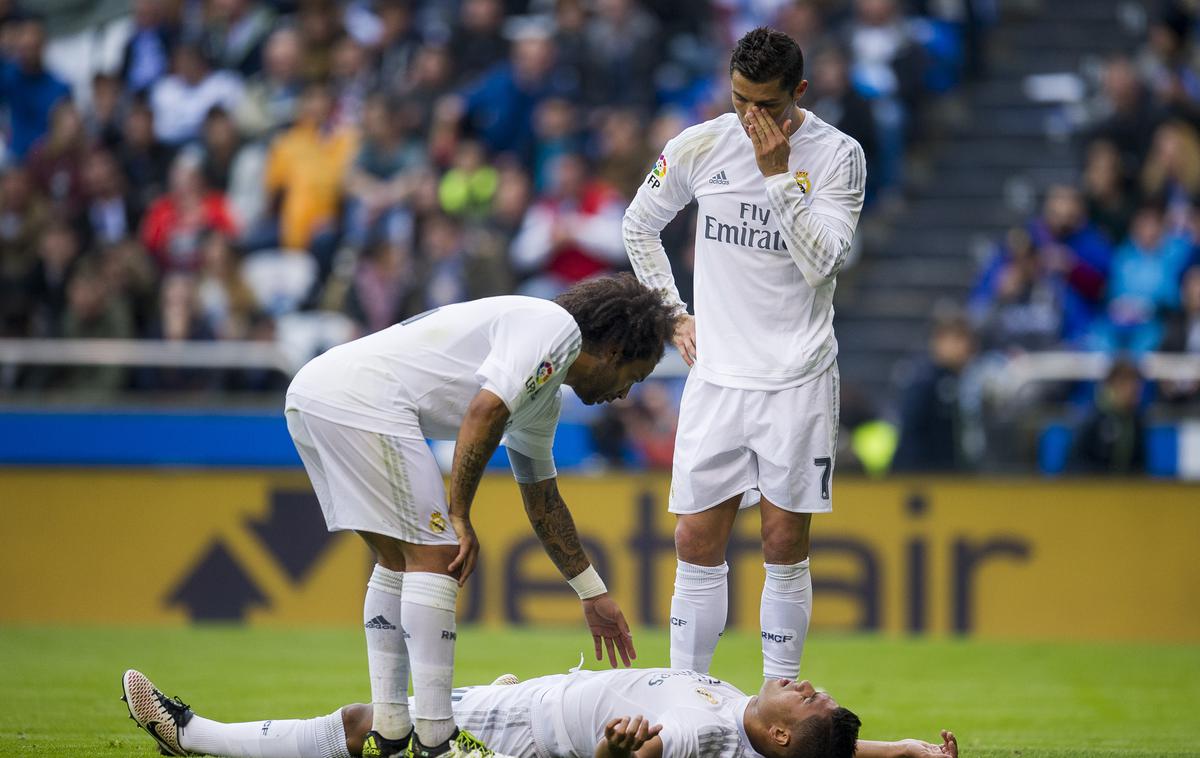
(668, 187)
(819, 233)
(534, 441)
(529, 345)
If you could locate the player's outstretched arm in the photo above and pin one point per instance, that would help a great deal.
(909, 748)
(554, 526)
(630, 738)
(478, 438)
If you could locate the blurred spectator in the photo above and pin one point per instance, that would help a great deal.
(556, 127)
(1182, 335)
(306, 168)
(179, 320)
(429, 78)
(147, 56)
(384, 286)
(833, 98)
(476, 38)
(499, 107)
(446, 262)
(570, 46)
(175, 224)
(28, 92)
(1070, 247)
(236, 31)
(1107, 191)
(572, 232)
(467, 188)
(1111, 439)
(931, 417)
(1020, 308)
(132, 277)
(399, 39)
(272, 95)
(802, 21)
(624, 152)
(1171, 171)
(621, 55)
(320, 24)
(23, 217)
(182, 100)
(103, 118)
(1144, 285)
(225, 302)
(144, 160)
(1127, 115)
(56, 161)
(491, 236)
(109, 214)
(94, 311)
(353, 81)
(378, 183)
(219, 146)
(58, 253)
(1167, 62)
(651, 420)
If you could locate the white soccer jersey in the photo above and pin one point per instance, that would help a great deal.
(564, 716)
(767, 249)
(416, 379)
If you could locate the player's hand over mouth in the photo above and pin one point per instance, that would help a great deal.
(607, 622)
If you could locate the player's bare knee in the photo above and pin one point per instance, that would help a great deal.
(356, 720)
(696, 544)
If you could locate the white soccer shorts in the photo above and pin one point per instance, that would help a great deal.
(779, 443)
(372, 482)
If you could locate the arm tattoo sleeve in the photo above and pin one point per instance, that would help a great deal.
(470, 458)
(554, 526)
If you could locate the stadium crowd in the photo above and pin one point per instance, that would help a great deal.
(1110, 263)
(247, 159)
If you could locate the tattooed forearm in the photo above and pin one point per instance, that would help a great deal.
(482, 428)
(554, 526)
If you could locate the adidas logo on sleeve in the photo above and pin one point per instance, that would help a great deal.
(719, 178)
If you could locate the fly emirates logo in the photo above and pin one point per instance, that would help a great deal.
(749, 231)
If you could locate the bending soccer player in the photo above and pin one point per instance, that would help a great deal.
(779, 194)
(647, 713)
(475, 372)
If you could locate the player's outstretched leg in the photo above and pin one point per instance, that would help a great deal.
(178, 731)
(387, 661)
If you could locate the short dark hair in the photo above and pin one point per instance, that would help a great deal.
(764, 54)
(622, 313)
(835, 737)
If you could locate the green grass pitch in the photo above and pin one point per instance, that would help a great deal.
(59, 687)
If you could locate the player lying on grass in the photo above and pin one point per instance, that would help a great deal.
(475, 372)
(635, 713)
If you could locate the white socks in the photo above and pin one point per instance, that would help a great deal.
(323, 737)
(784, 614)
(387, 654)
(698, 610)
(429, 605)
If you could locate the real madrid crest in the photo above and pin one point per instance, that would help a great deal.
(437, 523)
(803, 182)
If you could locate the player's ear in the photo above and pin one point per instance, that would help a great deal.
(801, 88)
(781, 736)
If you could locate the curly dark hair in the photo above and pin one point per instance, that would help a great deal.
(622, 313)
(764, 55)
(835, 737)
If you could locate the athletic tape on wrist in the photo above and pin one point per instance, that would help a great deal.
(588, 584)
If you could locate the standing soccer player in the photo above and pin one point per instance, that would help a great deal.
(476, 372)
(779, 195)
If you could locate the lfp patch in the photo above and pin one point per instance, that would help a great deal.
(543, 373)
(803, 182)
(660, 167)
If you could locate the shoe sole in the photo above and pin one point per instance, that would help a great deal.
(131, 698)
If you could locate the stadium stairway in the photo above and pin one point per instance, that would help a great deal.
(995, 151)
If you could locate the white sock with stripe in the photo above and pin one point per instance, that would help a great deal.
(784, 614)
(387, 653)
(323, 737)
(699, 608)
(429, 606)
